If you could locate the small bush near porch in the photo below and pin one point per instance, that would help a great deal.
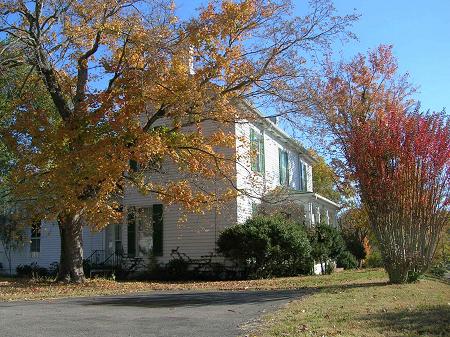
(267, 246)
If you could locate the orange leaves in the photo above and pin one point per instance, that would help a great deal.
(124, 81)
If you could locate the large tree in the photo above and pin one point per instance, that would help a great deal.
(398, 157)
(128, 81)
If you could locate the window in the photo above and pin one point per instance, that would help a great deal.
(302, 168)
(257, 148)
(145, 230)
(118, 238)
(283, 167)
(35, 239)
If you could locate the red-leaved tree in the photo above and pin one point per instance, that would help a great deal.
(398, 157)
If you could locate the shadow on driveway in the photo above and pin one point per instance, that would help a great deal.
(166, 300)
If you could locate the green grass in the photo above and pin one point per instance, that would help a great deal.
(365, 309)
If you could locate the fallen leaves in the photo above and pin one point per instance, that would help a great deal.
(20, 289)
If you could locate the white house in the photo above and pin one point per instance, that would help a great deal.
(151, 228)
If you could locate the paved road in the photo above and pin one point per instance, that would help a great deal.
(169, 314)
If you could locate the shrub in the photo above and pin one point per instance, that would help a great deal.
(441, 261)
(374, 260)
(87, 266)
(327, 244)
(354, 225)
(177, 269)
(346, 260)
(24, 270)
(53, 269)
(32, 270)
(439, 269)
(266, 246)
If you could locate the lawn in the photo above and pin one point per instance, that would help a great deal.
(349, 303)
(17, 289)
(375, 309)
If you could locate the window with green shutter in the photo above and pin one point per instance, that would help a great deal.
(303, 176)
(257, 148)
(283, 167)
(158, 230)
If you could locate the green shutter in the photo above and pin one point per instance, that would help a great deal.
(286, 163)
(261, 153)
(131, 233)
(253, 149)
(280, 166)
(157, 230)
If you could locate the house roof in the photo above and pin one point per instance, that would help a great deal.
(281, 135)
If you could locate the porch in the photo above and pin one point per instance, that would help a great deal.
(308, 208)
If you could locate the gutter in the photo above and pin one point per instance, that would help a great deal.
(317, 197)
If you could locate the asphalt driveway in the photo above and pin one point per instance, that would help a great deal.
(183, 314)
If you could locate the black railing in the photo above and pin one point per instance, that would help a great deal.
(115, 263)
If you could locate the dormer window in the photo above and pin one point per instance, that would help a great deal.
(283, 167)
(257, 149)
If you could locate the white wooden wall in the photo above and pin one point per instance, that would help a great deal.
(256, 184)
(50, 247)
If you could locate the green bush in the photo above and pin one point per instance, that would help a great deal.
(177, 269)
(439, 269)
(327, 244)
(374, 260)
(32, 270)
(346, 260)
(267, 246)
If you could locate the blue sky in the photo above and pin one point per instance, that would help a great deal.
(418, 29)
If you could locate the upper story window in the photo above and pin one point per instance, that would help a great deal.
(35, 239)
(257, 147)
(283, 167)
(303, 181)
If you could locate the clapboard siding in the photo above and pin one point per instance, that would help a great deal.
(194, 234)
(50, 247)
(256, 185)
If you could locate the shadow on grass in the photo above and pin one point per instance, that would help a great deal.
(431, 322)
(340, 287)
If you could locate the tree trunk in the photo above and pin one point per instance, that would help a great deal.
(71, 259)
(398, 274)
